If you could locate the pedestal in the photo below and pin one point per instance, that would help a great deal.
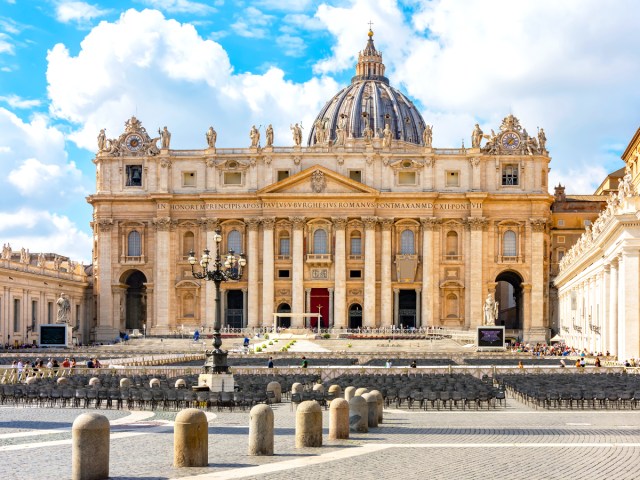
(536, 335)
(217, 382)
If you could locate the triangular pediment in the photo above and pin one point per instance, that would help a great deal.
(318, 180)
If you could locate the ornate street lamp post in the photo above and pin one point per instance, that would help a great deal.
(218, 270)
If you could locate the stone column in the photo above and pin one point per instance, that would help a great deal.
(396, 307)
(331, 308)
(162, 273)
(418, 307)
(106, 328)
(613, 309)
(526, 307)
(538, 330)
(245, 308)
(340, 273)
(475, 173)
(165, 173)
(209, 225)
(630, 272)
(476, 226)
(267, 271)
(307, 306)
(385, 274)
(429, 224)
(253, 264)
(369, 312)
(297, 276)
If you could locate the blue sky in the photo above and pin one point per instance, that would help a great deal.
(70, 68)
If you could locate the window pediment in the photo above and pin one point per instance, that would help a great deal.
(406, 164)
(232, 165)
(187, 284)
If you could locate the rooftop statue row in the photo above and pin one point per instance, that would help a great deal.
(53, 262)
(616, 203)
(512, 139)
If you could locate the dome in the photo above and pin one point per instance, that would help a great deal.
(368, 102)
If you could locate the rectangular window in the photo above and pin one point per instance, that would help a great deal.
(561, 223)
(560, 238)
(188, 179)
(587, 223)
(283, 274)
(510, 175)
(355, 273)
(356, 246)
(34, 314)
(406, 178)
(16, 314)
(282, 174)
(355, 175)
(560, 254)
(233, 178)
(285, 246)
(50, 312)
(452, 179)
(134, 175)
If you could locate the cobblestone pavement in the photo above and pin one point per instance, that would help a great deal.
(516, 441)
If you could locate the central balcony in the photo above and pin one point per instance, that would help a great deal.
(319, 259)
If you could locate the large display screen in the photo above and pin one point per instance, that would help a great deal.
(53, 335)
(491, 337)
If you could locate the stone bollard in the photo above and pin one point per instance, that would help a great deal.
(154, 382)
(180, 383)
(277, 391)
(309, 424)
(361, 391)
(349, 393)
(62, 381)
(372, 409)
(297, 388)
(359, 414)
(335, 390)
(90, 447)
(261, 430)
(125, 383)
(380, 404)
(94, 382)
(338, 419)
(318, 387)
(191, 439)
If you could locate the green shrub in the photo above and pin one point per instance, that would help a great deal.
(258, 349)
(326, 335)
(266, 336)
(271, 343)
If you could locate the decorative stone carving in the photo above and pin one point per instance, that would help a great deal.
(162, 224)
(386, 224)
(297, 134)
(133, 142)
(340, 160)
(427, 136)
(102, 140)
(475, 162)
(165, 163)
(538, 224)
(477, 223)
(476, 137)
(430, 223)
(41, 260)
(490, 309)
(269, 136)
(297, 159)
(57, 261)
(105, 224)
(318, 181)
(386, 136)
(165, 136)
(210, 162)
(297, 222)
(211, 136)
(339, 223)
(6, 251)
(369, 222)
(64, 309)
(268, 222)
(252, 224)
(254, 135)
(209, 224)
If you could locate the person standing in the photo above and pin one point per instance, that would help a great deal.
(270, 363)
(305, 364)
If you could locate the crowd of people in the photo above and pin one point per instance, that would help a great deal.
(52, 363)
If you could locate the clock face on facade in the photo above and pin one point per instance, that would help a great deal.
(510, 141)
(133, 142)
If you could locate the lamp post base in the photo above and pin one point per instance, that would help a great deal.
(217, 382)
(216, 361)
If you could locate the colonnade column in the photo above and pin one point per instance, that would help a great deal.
(331, 319)
(253, 263)
(476, 225)
(385, 274)
(297, 276)
(605, 332)
(307, 306)
(339, 307)
(369, 312)
(104, 327)
(630, 271)
(267, 271)
(428, 226)
(396, 307)
(162, 274)
(418, 307)
(538, 330)
(210, 225)
(613, 309)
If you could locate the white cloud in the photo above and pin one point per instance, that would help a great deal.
(252, 23)
(32, 175)
(42, 231)
(301, 21)
(290, 45)
(552, 64)
(79, 12)
(285, 5)
(5, 44)
(14, 101)
(181, 6)
(123, 68)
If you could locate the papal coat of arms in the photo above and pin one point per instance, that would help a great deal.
(318, 182)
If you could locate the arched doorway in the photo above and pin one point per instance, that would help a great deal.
(235, 309)
(284, 322)
(509, 298)
(407, 308)
(355, 316)
(135, 301)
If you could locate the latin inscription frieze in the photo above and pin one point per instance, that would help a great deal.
(320, 205)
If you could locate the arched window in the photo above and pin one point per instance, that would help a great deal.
(188, 306)
(234, 241)
(356, 243)
(188, 243)
(134, 244)
(452, 305)
(452, 243)
(407, 246)
(320, 241)
(284, 244)
(509, 245)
